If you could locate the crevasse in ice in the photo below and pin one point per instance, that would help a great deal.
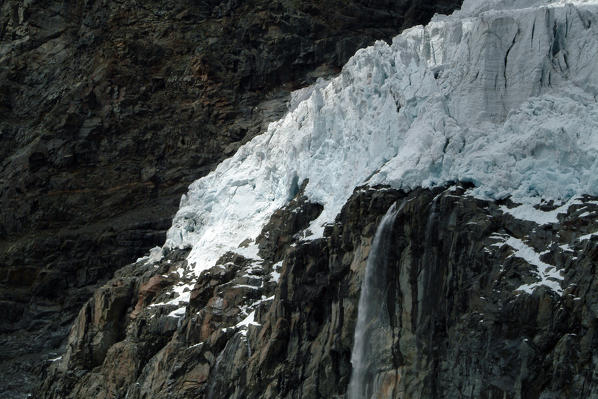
(502, 93)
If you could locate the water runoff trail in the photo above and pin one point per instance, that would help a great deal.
(372, 315)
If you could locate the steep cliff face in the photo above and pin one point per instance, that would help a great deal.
(455, 168)
(108, 110)
(469, 309)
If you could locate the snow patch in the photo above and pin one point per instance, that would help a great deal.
(531, 213)
(249, 251)
(182, 296)
(548, 274)
(252, 287)
(248, 321)
(275, 275)
(587, 236)
(178, 313)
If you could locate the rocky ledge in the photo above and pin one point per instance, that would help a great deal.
(481, 300)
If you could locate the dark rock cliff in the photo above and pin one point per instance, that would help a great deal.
(109, 109)
(459, 322)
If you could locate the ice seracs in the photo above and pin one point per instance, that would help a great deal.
(502, 94)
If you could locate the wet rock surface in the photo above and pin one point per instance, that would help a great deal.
(461, 322)
(108, 110)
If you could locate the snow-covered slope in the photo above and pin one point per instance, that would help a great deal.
(502, 94)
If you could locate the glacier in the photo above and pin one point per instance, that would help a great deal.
(502, 94)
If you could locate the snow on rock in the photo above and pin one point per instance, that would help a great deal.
(248, 321)
(179, 312)
(548, 274)
(502, 94)
(566, 248)
(275, 274)
(588, 236)
(182, 295)
(538, 216)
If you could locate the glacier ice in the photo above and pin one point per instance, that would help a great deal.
(502, 93)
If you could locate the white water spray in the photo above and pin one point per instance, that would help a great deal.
(372, 314)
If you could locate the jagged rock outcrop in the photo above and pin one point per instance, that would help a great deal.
(467, 314)
(108, 110)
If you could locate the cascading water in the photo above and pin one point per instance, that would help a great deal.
(369, 356)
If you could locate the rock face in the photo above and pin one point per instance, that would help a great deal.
(465, 314)
(108, 110)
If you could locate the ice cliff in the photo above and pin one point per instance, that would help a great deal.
(502, 94)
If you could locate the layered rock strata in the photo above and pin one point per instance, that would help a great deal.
(470, 309)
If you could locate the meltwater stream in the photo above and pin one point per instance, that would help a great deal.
(372, 316)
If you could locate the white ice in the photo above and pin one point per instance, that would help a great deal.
(502, 94)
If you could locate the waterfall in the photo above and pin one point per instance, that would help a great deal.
(368, 357)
